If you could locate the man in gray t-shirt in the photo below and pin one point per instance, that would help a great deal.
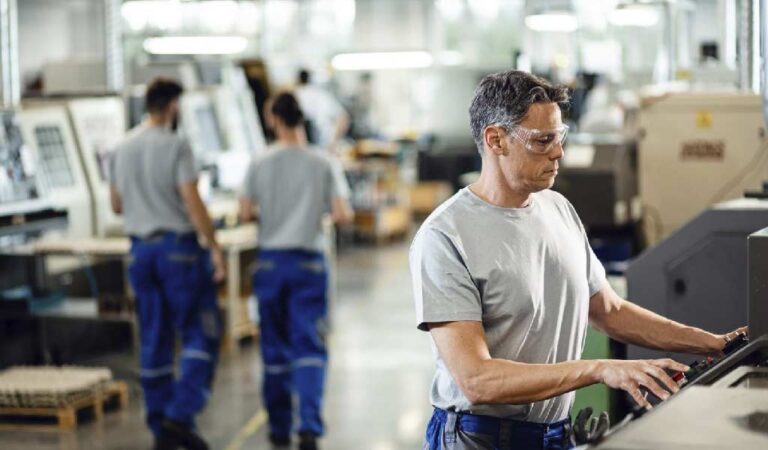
(293, 188)
(506, 283)
(154, 187)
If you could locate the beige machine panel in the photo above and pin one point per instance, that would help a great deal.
(47, 132)
(697, 150)
(99, 125)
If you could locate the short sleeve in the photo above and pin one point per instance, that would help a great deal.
(443, 289)
(185, 164)
(595, 270)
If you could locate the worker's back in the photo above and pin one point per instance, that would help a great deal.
(148, 168)
(293, 189)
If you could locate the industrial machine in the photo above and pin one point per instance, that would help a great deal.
(99, 125)
(697, 149)
(697, 275)
(47, 133)
(723, 407)
(201, 113)
(723, 403)
(19, 190)
(237, 108)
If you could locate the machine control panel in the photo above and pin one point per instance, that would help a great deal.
(721, 404)
(702, 366)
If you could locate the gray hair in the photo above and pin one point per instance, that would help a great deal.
(504, 98)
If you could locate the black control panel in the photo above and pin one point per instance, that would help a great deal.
(700, 367)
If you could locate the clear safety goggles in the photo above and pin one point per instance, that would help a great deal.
(540, 141)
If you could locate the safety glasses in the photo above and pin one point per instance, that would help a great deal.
(540, 141)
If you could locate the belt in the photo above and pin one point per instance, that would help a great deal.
(160, 235)
(500, 427)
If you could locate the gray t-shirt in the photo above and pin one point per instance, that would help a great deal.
(147, 169)
(526, 273)
(293, 188)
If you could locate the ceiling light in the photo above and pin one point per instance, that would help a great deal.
(195, 45)
(382, 60)
(555, 22)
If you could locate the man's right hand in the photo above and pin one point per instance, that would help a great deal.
(630, 376)
(219, 265)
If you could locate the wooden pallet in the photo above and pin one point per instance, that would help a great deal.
(65, 416)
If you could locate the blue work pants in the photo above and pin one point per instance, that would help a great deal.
(290, 286)
(460, 431)
(171, 276)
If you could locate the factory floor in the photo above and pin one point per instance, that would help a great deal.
(377, 388)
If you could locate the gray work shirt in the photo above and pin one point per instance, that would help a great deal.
(147, 169)
(293, 188)
(526, 273)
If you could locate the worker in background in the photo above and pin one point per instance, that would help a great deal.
(505, 282)
(327, 121)
(292, 187)
(154, 186)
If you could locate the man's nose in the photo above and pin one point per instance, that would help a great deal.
(557, 151)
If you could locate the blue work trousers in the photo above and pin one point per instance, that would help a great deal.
(290, 286)
(171, 276)
(460, 431)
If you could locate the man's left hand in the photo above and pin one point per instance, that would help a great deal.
(719, 341)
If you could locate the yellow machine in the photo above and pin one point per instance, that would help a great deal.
(697, 149)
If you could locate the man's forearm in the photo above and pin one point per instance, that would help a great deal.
(498, 381)
(200, 219)
(632, 324)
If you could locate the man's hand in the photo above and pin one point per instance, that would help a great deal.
(719, 341)
(219, 265)
(630, 376)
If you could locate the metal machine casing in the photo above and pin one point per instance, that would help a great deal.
(724, 407)
(758, 285)
(698, 275)
(693, 145)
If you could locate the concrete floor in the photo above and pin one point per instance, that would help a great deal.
(377, 388)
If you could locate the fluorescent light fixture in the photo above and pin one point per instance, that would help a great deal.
(637, 16)
(555, 22)
(195, 45)
(382, 60)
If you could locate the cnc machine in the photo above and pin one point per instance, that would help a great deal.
(99, 124)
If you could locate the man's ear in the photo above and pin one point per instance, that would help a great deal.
(493, 140)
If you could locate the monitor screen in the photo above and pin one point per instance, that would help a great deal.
(53, 156)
